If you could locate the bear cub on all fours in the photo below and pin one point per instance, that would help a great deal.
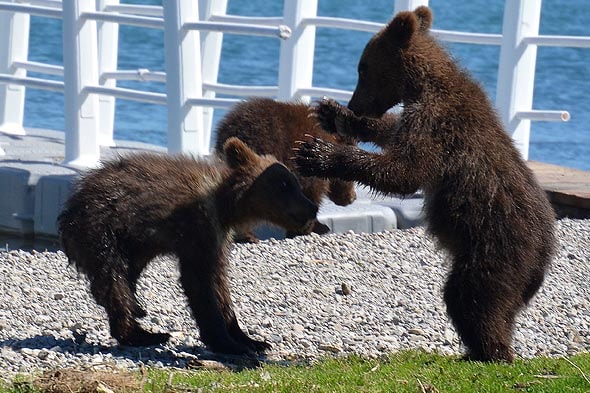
(482, 202)
(273, 127)
(135, 208)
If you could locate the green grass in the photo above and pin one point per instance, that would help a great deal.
(403, 372)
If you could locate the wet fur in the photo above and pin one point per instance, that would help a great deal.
(273, 127)
(135, 208)
(482, 203)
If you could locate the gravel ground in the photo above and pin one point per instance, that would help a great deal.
(334, 295)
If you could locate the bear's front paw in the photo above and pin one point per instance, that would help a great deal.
(312, 156)
(326, 112)
(336, 119)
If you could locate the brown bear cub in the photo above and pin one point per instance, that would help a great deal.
(272, 127)
(133, 209)
(482, 203)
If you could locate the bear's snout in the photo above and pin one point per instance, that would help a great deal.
(305, 212)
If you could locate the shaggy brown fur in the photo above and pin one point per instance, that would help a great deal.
(133, 209)
(482, 202)
(272, 127)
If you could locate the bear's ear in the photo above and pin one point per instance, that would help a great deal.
(424, 15)
(401, 29)
(238, 154)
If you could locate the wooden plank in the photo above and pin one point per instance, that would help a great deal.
(568, 189)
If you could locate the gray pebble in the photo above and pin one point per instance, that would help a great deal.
(284, 293)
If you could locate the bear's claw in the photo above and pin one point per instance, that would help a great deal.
(312, 156)
(326, 112)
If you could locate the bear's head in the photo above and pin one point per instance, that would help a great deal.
(268, 190)
(388, 64)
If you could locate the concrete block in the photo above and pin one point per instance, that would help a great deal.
(362, 216)
(16, 194)
(51, 193)
(409, 211)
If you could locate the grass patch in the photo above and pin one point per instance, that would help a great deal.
(402, 372)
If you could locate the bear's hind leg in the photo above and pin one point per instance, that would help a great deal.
(133, 276)
(483, 315)
(113, 291)
(537, 274)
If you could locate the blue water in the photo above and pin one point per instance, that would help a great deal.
(562, 76)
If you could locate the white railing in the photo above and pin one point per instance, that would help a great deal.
(192, 34)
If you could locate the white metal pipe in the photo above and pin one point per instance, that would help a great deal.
(542, 115)
(108, 45)
(43, 3)
(240, 90)
(131, 20)
(516, 71)
(183, 79)
(296, 53)
(222, 103)
(467, 38)
(80, 70)
(141, 75)
(210, 55)
(280, 31)
(558, 40)
(128, 94)
(342, 23)
(14, 32)
(31, 10)
(35, 83)
(337, 94)
(145, 10)
(373, 27)
(40, 68)
(255, 20)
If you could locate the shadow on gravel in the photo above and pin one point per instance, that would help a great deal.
(42, 347)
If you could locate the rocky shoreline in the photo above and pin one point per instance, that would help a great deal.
(313, 296)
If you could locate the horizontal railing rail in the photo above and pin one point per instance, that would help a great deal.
(141, 75)
(38, 67)
(37, 10)
(193, 31)
(35, 83)
(241, 90)
(136, 9)
(147, 97)
(558, 40)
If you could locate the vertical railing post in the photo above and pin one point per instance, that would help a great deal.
(210, 54)
(407, 5)
(80, 69)
(14, 46)
(108, 45)
(183, 79)
(296, 54)
(516, 71)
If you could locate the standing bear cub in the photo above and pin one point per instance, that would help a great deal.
(133, 209)
(482, 203)
(273, 127)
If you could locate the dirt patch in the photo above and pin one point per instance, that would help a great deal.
(87, 381)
